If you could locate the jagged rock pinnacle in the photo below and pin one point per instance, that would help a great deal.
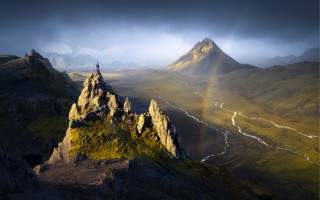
(34, 53)
(166, 131)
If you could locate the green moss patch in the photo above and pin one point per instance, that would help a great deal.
(101, 140)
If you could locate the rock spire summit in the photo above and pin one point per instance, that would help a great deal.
(97, 68)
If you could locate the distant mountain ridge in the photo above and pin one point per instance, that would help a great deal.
(84, 62)
(64, 61)
(311, 54)
(205, 58)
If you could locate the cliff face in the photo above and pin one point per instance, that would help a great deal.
(99, 103)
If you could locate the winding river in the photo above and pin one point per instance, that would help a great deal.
(233, 121)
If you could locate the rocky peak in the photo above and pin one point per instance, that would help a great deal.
(202, 48)
(203, 58)
(208, 40)
(96, 100)
(35, 54)
(38, 65)
(93, 94)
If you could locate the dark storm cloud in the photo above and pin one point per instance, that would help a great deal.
(30, 23)
(254, 16)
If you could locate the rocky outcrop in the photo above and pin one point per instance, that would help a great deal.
(143, 122)
(127, 106)
(98, 101)
(92, 100)
(113, 105)
(166, 131)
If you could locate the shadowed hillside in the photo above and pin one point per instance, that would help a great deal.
(34, 102)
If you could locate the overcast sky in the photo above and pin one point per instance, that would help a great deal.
(156, 33)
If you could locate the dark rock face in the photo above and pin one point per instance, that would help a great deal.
(19, 182)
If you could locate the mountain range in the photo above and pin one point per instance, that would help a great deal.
(63, 62)
(311, 54)
(60, 61)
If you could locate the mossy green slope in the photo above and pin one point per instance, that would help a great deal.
(101, 140)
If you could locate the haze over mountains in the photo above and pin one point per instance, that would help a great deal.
(204, 58)
(311, 54)
(85, 63)
(60, 61)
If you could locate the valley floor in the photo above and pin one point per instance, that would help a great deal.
(221, 127)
